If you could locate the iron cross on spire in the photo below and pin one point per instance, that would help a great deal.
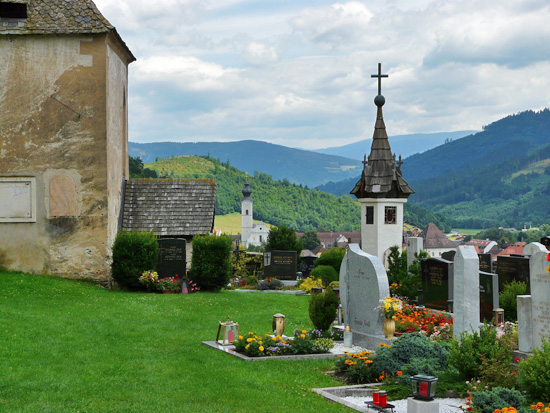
(379, 76)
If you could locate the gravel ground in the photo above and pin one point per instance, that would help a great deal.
(339, 349)
(445, 405)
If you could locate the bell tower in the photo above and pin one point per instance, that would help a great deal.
(246, 213)
(381, 191)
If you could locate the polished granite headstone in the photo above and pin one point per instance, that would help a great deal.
(466, 290)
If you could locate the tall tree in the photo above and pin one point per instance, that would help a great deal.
(282, 238)
(310, 240)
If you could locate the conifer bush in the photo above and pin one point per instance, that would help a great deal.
(211, 262)
(508, 301)
(322, 309)
(326, 273)
(133, 253)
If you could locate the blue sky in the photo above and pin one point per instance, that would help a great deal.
(297, 72)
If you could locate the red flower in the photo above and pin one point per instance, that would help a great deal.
(517, 359)
(548, 257)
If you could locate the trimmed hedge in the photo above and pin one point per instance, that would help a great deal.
(133, 253)
(211, 262)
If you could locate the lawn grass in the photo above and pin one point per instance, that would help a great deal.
(68, 346)
(231, 223)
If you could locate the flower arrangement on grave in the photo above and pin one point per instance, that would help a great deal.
(269, 284)
(192, 286)
(169, 283)
(357, 367)
(548, 259)
(391, 307)
(302, 342)
(149, 279)
(413, 319)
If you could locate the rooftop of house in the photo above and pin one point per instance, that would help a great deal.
(434, 238)
(170, 207)
(20, 17)
(516, 248)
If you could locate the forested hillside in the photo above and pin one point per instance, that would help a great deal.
(498, 177)
(279, 202)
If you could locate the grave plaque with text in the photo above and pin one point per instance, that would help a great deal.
(171, 257)
(281, 265)
(488, 295)
(545, 241)
(437, 283)
(513, 268)
(485, 262)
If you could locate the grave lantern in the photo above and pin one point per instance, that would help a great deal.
(229, 331)
(498, 316)
(423, 387)
(278, 325)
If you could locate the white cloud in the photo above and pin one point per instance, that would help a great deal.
(299, 75)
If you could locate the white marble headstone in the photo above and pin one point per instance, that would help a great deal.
(363, 286)
(540, 297)
(414, 245)
(532, 248)
(466, 290)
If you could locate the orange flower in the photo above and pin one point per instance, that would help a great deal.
(399, 372)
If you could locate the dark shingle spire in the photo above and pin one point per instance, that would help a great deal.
(381, 177)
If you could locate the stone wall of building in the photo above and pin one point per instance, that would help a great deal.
(55, 132)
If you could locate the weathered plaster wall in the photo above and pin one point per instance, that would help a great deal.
(53, 121)
(117, 139)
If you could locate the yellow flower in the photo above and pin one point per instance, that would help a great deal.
(247, 347)
(548, 269)
(240, 337)
(303, 335)
(260, 342)
(261, 348)
(304, 331)
(249, 339)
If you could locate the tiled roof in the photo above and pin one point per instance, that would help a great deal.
(381, 178)
(434, 238)
(57, 17)
(516, 248)
(170, 207)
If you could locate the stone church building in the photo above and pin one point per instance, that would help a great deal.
(63, 136)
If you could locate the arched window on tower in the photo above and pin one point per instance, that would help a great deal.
(390, 216)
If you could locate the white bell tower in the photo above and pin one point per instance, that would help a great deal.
(246, 212)
(381, 191)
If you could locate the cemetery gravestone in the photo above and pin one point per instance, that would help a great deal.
(540, 298)
(512, 268)
(532, 248)
(281, 265)
(525, 323)
(466, 290)
(437, 283)
(414, 246)
(485, 262)
(448, 255)
(171, 257)
(488, 295)
(363, 287)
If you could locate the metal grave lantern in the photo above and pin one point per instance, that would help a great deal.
(498, 316)
(229, 331)
(423, 387)
(278, 325)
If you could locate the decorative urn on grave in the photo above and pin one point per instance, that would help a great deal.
(229, 331)
(278, 325)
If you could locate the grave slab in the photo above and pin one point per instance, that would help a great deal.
(540, 297)
(363, 288)
(525, 324)
(466, 290)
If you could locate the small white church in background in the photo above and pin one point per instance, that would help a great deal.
(251, 234)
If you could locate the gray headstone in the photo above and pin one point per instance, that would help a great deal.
(525, 323)
(513, 268)
(172, 257)
(414, 246)
(282, 265)
(488, 295)
(466, 290)
(437, 283)
(532, 248)
(363, 287)
(540, 297)
(485, 262)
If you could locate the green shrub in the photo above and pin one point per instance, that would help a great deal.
(419, 365)
(332, 257)
(211, 265)
(323, 345)
(326, 273)
(251, 280)
(310, 282)
(489, 400)
(357, 368)
(534, 373)
(507, 298)
(410, 349)
(468, 353)
(133, 253)
(322, 309)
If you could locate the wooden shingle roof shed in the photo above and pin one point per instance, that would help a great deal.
(170, 207)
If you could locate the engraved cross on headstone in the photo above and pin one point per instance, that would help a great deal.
(379, 76)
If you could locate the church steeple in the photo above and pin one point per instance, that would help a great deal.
(381, 177)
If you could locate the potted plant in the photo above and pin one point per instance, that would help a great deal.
(149, 279)
(390, 307)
